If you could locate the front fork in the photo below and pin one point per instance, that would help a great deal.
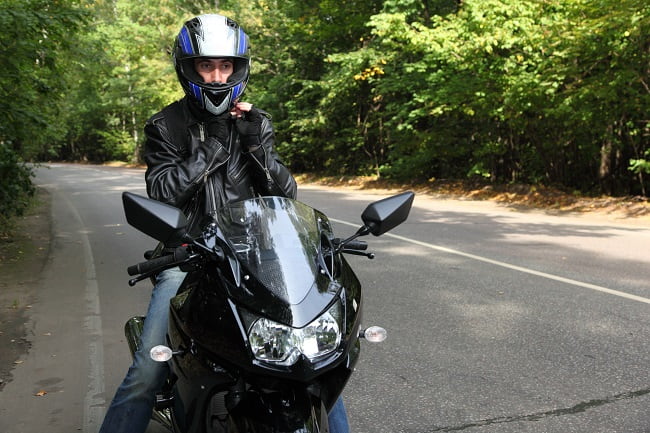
(133, 331)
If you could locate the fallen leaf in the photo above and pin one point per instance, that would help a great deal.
(40, 393)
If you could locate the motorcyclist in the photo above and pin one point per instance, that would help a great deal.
(203, 151)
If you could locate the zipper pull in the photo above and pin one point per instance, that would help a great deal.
(201, 133)
(269, 179)
(265, 167)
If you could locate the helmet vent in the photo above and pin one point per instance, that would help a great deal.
(194, 27)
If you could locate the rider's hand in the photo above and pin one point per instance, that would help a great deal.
(248, 124)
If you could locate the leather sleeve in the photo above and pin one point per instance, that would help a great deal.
(272, 177)
(172, 177)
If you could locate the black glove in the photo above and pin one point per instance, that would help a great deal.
(249, 127)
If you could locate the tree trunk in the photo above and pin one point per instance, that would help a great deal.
(605, 170)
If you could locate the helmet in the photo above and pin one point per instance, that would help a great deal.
(213, 36)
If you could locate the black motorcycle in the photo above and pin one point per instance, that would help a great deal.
(264, 331)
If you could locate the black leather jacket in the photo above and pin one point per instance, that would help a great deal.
(198, 174)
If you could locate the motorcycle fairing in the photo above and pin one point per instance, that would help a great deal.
(279, 245)
(219, 334)
(279, 264)
(256, 417)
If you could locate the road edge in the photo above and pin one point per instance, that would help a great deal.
(21, 267)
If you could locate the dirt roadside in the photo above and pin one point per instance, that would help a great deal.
(22, 259)
(25, 254)
(514, 196)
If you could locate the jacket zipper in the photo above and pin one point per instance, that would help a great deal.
(204, 178)
(201, 132)
(208, 181)
(264, 167)
(213, 199)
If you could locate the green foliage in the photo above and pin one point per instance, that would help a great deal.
(315, 109)
(514, 91)
(36, 36)
(15, 185)
(641, 165)
(127, 55)
(554, 92)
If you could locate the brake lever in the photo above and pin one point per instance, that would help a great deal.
(136, 280)
(358, 253)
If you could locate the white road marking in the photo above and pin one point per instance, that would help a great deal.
(513, 267)
(93, 400)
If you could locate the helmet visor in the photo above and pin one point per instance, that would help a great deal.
(239, 74)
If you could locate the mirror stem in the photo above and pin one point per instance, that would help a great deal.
(363, 231)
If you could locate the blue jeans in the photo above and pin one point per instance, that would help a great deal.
(134, 399)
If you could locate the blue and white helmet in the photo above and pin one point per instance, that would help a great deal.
(212, 36)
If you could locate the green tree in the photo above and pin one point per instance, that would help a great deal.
(128, 77)
(36, 35)
(606, 97)
(293, 77)
(512, 91)
(503, 90)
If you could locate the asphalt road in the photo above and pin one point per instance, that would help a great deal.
(498, 320)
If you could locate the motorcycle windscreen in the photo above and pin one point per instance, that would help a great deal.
(278, 241)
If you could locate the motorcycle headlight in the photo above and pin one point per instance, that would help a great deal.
(282, 345)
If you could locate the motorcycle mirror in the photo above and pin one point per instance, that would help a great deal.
(386, 214)
(161, 221)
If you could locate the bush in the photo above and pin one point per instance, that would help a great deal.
(16, 187)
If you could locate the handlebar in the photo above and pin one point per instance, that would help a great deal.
(352, 246)
(356, 245)
(180, 254)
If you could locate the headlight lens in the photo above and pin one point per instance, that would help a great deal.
(282, 345)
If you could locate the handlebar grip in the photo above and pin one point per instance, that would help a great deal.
(357, 245)
(178, 255)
